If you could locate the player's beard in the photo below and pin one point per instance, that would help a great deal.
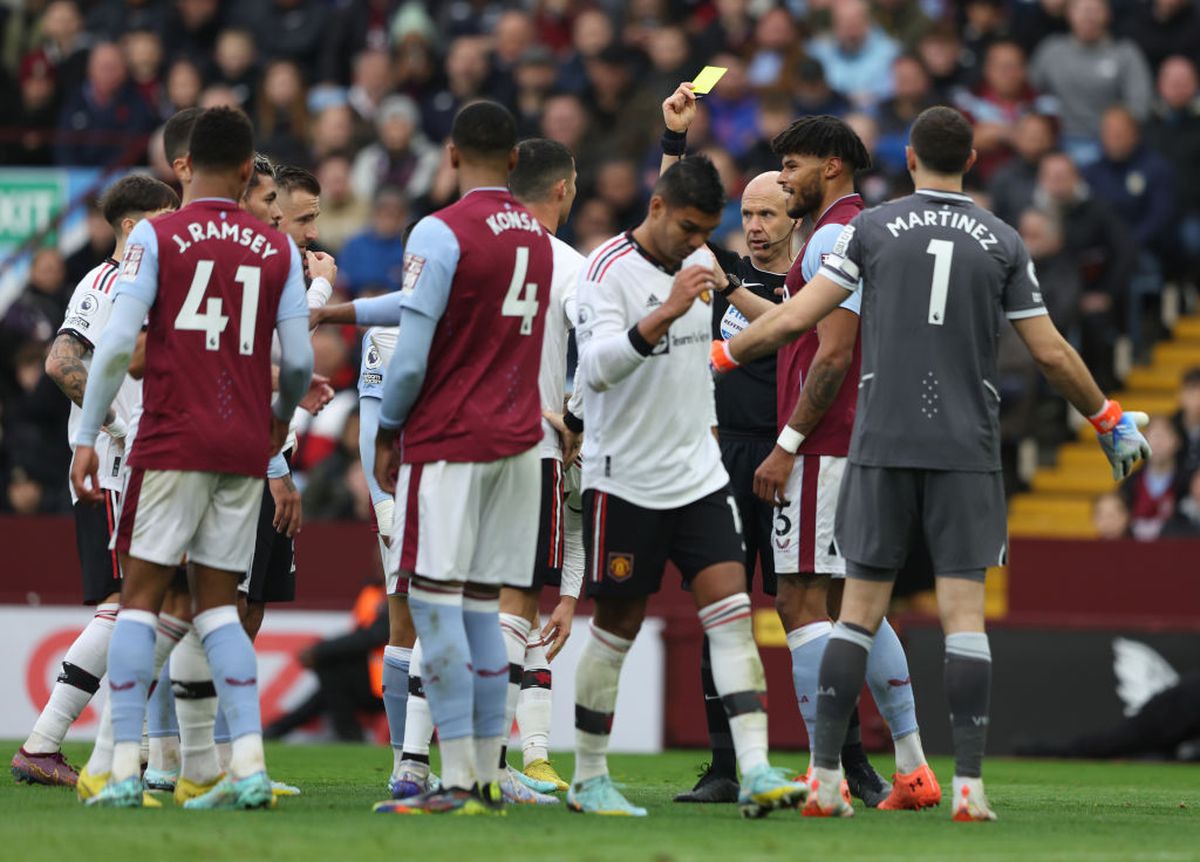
(805, 198)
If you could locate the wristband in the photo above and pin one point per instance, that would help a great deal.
(1107, 418)
(789, 439)
(383, 516)
(674, 143)
(116, 429)
(574, 423)
(320, 290)
(720, 358)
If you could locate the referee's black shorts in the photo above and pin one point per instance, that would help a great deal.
(742, 454)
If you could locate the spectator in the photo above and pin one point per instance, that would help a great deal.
(1185, 523)
(144, 57)
(371, 85)
(333, 130)
(875, 184)
(1174, 131)
(1162, 28)
(106, 121)
(343, 213)
(775, 113)
(534, 81)
(812, 92)
(1034, 22)
(45, 299)
(192, 29)
(1012, 186)
(513, 36)
(1057, 272)
(904, 21)
(942, 53)
(358, 25)
(415, 66)
(856, 55)
(985, 22)
(402, 158)
(592, 225)
(28, 136)
(995, 105)
(1151, 492)
(1110, 517)
(618, 186)
(776, 46)
(625, 117)
(1088, 72)
(98, 246)
(184, 85)
(732, 29)
(237, 64)
(220, 96)
(670, 59)
(591, 34)
(112, 19)
(466, 71)
(288, 29)
(1187, 421)
(62, 48)
(23, 495)
(349, 671)
(732, 108)
(373, 260)
(282, 113)
(34, 428)
(1104, 252)
(913, 93)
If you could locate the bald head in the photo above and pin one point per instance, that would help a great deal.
(766, 222)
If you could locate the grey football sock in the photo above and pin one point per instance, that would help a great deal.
(843, 670)
(968, 679)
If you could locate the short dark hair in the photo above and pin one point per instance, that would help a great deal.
(822, 136)
(485, 129)
(1191, 377)
(692, 182)
(290, 178)
(263, 167)
(541, 163)
(942, 139)
(177, 133)
(136, 194)
(222, 140)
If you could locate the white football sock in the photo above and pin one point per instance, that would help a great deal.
(196, 709)
(910, 756)
(458, 762)
(515, 632)
(83, 666)
(534, 705)
(100, 761)
(246, 756)
(224, 755)
(597, 677)
(738, 675)
(418, 722)
(164, 753)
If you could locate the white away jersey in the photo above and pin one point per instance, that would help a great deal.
(87, 315)
(560, 319)
(648, 419)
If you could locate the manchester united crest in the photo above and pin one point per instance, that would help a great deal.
(620, 566)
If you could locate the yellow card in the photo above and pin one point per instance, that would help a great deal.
(707, 79)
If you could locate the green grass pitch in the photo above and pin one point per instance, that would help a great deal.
(1049, 811)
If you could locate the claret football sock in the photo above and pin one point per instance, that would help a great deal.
(493, 681)
(596, 679)
(968, 680)
(82, 668)
(738, 675)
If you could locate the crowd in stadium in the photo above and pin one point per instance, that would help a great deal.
(1087, 118)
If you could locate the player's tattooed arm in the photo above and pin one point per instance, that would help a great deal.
(837, 333)
(64, 365)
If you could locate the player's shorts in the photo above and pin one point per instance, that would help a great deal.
(211, 517)
(804, 537)
(628, 546)
(271, 576)
(552, 533)
(94, 527)
(961, 515)
(742, 454)
(469, 522)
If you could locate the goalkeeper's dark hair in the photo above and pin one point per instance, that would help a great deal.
(263, 167)
(541, 163)
(942, 139)
(484, 129)
(822, 136)
(136, 195)
(692, 182)
(222, 140)
(290, 178)
(177, 133)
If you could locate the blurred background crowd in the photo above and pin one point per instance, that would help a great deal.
(1087, 119)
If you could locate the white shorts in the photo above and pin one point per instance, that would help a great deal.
(210, 517)
(803, 535)
(467, 521)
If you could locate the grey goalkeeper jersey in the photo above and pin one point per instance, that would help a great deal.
(937, 274)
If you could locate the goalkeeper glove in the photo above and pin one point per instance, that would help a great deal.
(1120, 438)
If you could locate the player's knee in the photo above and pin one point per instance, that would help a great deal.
(801, 600)
(623, 619)
(252, 620)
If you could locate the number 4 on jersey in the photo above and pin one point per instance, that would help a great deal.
(521, 299)
(212, 322)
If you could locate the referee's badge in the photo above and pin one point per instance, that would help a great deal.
(620, 566)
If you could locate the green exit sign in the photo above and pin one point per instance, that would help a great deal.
(27, 206)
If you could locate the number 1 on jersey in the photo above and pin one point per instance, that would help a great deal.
(521, 299)
(943, 253)
(212, 322)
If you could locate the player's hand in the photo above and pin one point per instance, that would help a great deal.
(85, 475)
(558, 629)
(279, 433)
(679, 109)
(318, 395)
(288, 515)
(688, 285)
(568, 440)
(1123, 444)
(771, 477)
(321, 265)
(387, 460)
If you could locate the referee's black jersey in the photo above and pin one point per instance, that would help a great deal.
(745, 396)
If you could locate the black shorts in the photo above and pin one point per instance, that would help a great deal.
(94, 525)
(742, 454)
(272, 575)
(627, 546)
(552, 534)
